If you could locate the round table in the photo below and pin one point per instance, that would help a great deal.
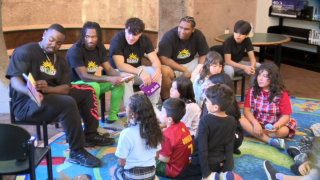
(263, 40)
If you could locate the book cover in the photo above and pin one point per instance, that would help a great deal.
(316, 13)
(32, 89)
(149, 90)
(288, 8)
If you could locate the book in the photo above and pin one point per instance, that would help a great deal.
(288, 8)
(32, 89)
(316, 13)
(149, 90)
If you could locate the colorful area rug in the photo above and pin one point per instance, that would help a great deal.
(249, 165)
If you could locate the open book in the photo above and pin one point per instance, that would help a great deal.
(31, 87)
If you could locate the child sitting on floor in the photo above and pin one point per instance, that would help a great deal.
(233, 110)
(178, 145)
(215, 138)
(271, 104)
(212, 65)
(182, 88)
(140, 143)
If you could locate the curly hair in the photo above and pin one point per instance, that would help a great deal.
(135, 26)
(185, 88)
(277, 86)
(91, 25)
(211, 59)
(150, 130)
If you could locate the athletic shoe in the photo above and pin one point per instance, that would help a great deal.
(315, 129)
(301, 158)
(237, 151)
(98, 140)
(270, 171)
(103, 132)
(305, 144)
(116, 125)
(293, 151)
(278, 143)
(227, 175)
(213, 176)
(84, 158)
(295, 169)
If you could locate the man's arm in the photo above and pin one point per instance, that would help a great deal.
(156, 65)
(164, 159)
(175, 66)
(202, 59)
(86, 77)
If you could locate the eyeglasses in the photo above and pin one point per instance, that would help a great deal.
(92, 37)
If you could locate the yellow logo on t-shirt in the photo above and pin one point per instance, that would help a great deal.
(184, 54)
(133, 59)
(92, 67)
(48, 68)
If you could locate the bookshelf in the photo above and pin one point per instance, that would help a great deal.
(298, 52)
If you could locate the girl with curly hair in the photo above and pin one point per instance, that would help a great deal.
(270, 102)
(140, 143)
(213, 64)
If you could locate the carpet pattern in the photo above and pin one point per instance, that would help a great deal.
(249, 165)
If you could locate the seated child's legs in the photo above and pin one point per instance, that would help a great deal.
(161, 169)
(281, 133)
(229, 70)
(143, 173)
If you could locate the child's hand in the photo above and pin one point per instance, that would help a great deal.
(257, 129)
(304, 168)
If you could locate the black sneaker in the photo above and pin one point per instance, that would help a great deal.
(293, 151)
(295, 169)
(98, 140)
(305, 144)
(84, 158)
(237, 151)
(270, 171)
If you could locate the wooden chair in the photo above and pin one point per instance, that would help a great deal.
(18, 154)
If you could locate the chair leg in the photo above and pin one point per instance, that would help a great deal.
(49, 164)
(243, 83)
(103, 107)
(45, 133)
(32, 166)
(235, 87)
(0, 177)
(57, 125)
(39, 132)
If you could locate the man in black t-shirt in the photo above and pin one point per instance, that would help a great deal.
(178, 48)
(233, 48)
(59, 102)
(84, 58)
(127, 48)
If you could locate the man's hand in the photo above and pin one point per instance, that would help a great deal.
(41, 85)
(257, 129)
(124, 75)
(115, 81)
(145, 78)
(304, 168)
(156, 75)
(31, 96)
(249, 70)
(187, 74)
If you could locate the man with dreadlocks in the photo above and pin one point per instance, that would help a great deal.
(127, 48)
(84, 57)
(60, 100)
(178, 48)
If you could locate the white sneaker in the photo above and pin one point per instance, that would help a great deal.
(213, 176)
(103, 132)
(118, 125)
(227, 175)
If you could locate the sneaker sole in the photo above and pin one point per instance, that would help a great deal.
(74, 161)
(267, 172)
(98, 144)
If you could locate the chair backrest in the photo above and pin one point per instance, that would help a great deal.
(217, 48)
(12, 117)
(13, 142)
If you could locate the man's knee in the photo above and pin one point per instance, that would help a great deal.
(167, 72)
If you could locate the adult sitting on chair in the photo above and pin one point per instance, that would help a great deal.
(178, 48)
(59, 102)
(127, 48)
(233, 48)
(84, 58)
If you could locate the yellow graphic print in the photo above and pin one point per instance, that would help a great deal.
(184, 54)
(48, 68)
(133, 58)
(308, 106)
(92, 67)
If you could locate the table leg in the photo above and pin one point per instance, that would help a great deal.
(278, 55)
(262, 54)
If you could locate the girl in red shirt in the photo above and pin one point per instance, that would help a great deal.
(268, 102)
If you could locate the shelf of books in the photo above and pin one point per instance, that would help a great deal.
(314, 37)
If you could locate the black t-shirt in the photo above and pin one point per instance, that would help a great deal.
(230, 46)
(78, 56)
(182, 52)
(132, 53)
(30, 58)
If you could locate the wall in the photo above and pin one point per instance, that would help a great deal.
(114, 12)
(213, 17)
